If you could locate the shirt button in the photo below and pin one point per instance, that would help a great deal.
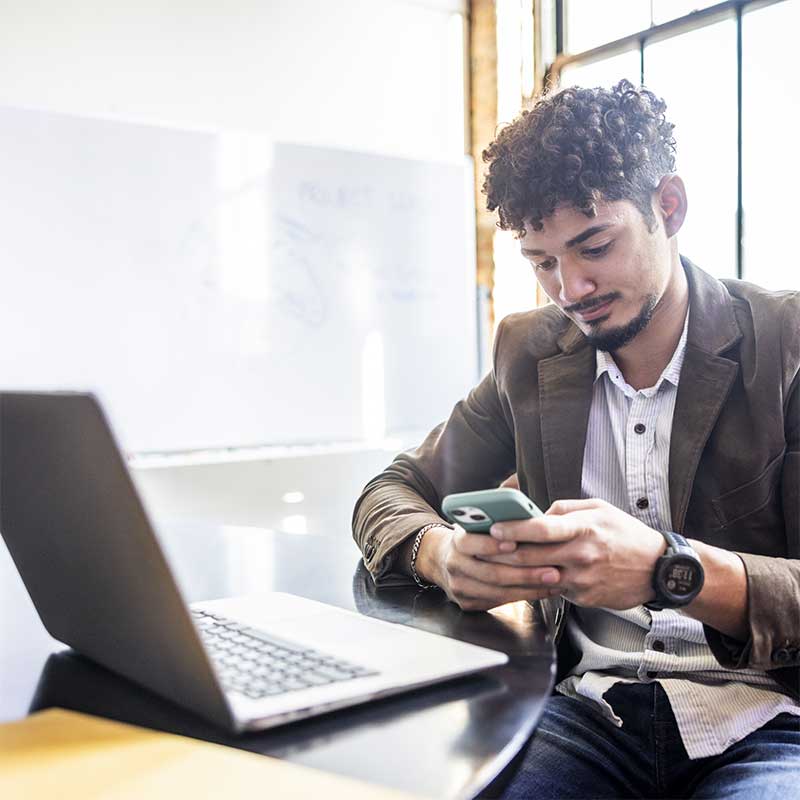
(781, 655)
(642, 502)
(658, 645)
(639, 428)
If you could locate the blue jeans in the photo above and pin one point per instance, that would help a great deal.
(577, 753)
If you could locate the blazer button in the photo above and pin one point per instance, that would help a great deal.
(781, 655)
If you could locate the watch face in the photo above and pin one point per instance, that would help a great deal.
(681, 577)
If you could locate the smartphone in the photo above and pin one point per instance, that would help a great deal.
(476, 511)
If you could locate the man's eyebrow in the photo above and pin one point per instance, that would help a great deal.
(581, 237)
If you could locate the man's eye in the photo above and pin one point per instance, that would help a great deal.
(593, 252)
(545, 266)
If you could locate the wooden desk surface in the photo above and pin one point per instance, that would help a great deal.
(450, 740)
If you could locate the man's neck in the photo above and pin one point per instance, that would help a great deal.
(644, 359)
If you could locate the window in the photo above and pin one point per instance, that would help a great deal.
(590, 24)
(705, 117)
(770, 169)
(666, 10)
(605, 72)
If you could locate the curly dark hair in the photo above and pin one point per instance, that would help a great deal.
(579, 147)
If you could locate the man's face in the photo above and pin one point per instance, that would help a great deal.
(606, 273)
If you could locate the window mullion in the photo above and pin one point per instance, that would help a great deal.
(739, 159)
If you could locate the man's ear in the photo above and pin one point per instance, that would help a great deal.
(671, 203)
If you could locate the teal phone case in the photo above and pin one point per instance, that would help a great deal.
(476, 511)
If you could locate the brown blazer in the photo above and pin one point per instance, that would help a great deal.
(734, 469)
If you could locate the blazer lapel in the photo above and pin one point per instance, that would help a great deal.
(704, 386)
(705, 382)
(565, 396)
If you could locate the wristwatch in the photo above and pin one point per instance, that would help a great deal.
(678, 575)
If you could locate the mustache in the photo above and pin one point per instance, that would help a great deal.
(579, 308)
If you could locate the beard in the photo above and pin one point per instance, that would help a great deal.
(614, 338)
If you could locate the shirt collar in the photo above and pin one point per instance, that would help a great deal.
(671, 373)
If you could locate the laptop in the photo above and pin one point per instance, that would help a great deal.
(87, 552)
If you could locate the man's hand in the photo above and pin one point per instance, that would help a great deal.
(457, 562)
(605, 556)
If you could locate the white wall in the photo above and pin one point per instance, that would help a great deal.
(373, 75)
(380, 76)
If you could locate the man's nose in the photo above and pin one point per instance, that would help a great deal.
(576, 285)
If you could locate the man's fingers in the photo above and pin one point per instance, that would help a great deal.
(511, 482)
(534, 555)
(544, 530)
(568, 506)
(495, 574)
(479, 544)
(472, 594)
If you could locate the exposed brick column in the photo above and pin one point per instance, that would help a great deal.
(483, 124)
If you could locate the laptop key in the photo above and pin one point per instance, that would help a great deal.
(294, 657)
(315, 679)
(269, 690)
(292, 684)
(269, 639)
(360, 672)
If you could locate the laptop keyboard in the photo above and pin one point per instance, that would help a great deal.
(258, 664)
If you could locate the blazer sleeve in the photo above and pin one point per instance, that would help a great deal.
(773, 584)
(473, 449)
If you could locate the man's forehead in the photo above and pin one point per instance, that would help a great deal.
(567, 222)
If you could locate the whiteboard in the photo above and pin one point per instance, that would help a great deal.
(220, 290)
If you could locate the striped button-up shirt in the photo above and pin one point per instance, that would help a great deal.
(626, 462)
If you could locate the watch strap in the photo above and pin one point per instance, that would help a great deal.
(676, 542)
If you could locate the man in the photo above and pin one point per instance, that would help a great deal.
(647, 399)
